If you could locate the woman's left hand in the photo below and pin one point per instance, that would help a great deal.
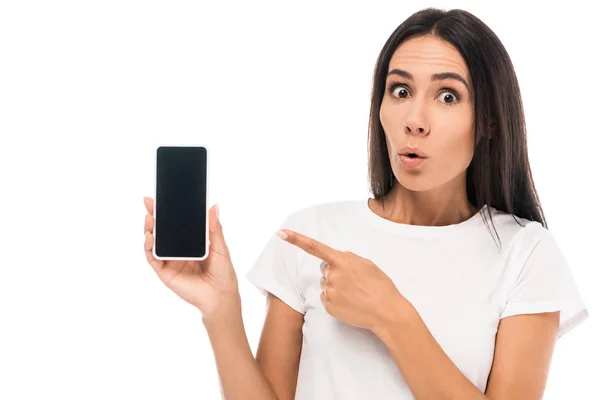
(354, 289)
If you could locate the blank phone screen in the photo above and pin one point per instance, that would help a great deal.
(181, 201)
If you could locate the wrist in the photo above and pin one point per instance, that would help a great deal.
(226, 315)
(395, 318)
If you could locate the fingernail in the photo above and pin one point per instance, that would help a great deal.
(217, 209)
(282, 235)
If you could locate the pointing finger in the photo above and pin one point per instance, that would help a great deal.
(310, 245)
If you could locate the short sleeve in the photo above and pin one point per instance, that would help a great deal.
(546, 284)
(276, 270)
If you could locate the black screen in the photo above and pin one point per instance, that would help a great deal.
(181, 201)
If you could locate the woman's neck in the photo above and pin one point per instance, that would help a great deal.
(438, 207)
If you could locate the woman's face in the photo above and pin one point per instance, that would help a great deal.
(435, 115)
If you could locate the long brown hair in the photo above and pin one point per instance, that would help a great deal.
(499, 174)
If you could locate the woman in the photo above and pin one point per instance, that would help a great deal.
(408, 294)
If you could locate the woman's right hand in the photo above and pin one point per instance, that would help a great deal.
(211, 285)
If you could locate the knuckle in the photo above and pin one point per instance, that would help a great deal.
(348, 255)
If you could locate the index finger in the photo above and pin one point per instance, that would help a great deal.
(311, 246)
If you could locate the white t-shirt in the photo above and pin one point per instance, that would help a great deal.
(456, 276)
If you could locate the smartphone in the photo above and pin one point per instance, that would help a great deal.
(180, 203)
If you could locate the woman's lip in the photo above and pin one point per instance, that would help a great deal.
(412, 150)
(409, 162)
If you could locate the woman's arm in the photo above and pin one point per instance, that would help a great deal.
(280, 345)
(273, 374)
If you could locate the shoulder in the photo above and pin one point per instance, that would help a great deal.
(518, 232)
(510, 221)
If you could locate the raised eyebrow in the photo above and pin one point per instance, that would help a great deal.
(434, 77)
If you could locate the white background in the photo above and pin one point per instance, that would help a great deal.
(280, 93)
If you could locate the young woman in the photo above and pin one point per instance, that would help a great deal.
(408, 294)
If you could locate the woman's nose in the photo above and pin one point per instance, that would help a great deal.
(416, 128)
(416, 123)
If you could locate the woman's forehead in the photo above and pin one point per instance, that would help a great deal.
(424, 56)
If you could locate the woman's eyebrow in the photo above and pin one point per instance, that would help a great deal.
(434, 77)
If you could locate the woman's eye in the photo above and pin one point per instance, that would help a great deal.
(399, 91)
(447, 96)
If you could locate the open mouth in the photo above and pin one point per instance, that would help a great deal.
(411, 160)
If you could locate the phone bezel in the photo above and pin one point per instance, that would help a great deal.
(207, 240)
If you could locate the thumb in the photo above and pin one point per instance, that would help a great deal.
(217, 240)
